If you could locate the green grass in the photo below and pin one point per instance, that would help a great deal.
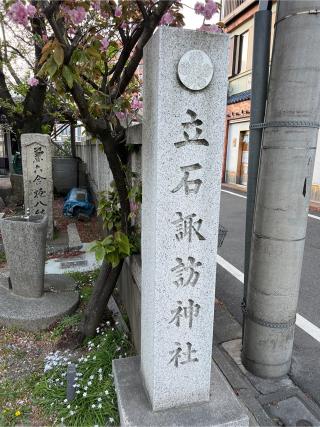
(95, 400)
(3, 257)
(15, 401)
(40, 397)
(66, 323)
(85, 282)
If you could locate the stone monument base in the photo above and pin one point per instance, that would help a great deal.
(33, 314)
(223, 409)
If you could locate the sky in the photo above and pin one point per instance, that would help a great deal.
(192, 20)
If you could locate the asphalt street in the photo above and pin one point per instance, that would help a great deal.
(305, 370)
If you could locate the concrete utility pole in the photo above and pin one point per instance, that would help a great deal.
(283, 189)
(260, 74)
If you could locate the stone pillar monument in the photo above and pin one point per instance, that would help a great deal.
(185, 91)
(37, 176)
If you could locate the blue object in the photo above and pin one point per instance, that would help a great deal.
(78, 201)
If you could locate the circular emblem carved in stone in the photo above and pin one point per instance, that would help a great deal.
(195, 70)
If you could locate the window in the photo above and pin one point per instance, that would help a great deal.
(243, 51)
(238, 54)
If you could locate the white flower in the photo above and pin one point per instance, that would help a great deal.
(65, 401)
(71, 412)
(85, 387)
(106, 392)
(78, 391)
(62, 419)
(99, 399)
(111, 420)
(100, 370)
(93, 406)
(68, 407)
(91, 377)
(84, 394)
(94, 358)
(89, 382)
(99, 406)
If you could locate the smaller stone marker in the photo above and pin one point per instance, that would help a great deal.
(71, 379)
(37, 176)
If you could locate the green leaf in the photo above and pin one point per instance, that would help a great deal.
(107, 241)
(100, 252)
(51, 67)
(67, 75)
(58, 55)
(124, 245)
(93, 52)
(113, 258)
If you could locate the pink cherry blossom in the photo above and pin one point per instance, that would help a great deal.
(96, 5)
(118, 12)
(77, 15)
(33, 81)
(136, 104)
(134, 207)
(104, 44)
(199, 8)
(210, 28)
(210, 9)
(18, 13)
(121, 115)
(31, 10)
(167, 19)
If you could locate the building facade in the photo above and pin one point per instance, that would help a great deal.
(238, 17)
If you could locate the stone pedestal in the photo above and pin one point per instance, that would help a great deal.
(222, 409)
(59, 299)
(24, 242)
(36, 150)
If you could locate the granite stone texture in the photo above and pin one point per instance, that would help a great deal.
(181, 174)
(60, 298)
(25, 247)
(223, 408)
(37, 176)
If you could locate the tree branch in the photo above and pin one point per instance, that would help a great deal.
(150, 25)
(125, 54)
(6, 59)
(14, 49)
(142, 9)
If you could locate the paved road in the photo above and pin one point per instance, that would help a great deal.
(305, 369)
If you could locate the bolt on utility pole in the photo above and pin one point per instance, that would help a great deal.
(260, 74)
(283, 189)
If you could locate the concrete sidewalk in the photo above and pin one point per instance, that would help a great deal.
(269, 402)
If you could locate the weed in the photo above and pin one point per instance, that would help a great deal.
(95, 399)
(65, 323)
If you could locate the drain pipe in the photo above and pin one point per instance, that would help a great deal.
(259, 87)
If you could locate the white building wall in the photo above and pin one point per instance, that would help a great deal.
(233, 149)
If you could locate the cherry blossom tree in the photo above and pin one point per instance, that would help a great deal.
(88, 52)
